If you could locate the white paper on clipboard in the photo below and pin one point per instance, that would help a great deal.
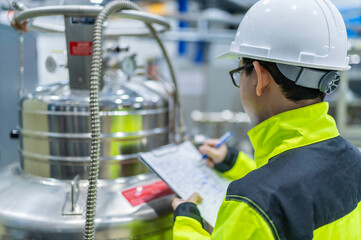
(178, 166)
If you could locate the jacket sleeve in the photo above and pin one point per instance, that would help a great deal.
(188, 224)
(235, 165)
(236, 220)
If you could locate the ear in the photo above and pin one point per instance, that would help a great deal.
(263, 78)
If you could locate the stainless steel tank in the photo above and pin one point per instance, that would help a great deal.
(45, 197)
(55, 129)
(34, 208)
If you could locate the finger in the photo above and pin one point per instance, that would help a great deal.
(210, 151)
(201, 149)
(210, 163)
(195, 198)
(211, 142)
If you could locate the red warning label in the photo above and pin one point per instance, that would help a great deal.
(146, 193)
(81, 48)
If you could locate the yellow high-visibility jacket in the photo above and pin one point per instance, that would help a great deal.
(306, 184)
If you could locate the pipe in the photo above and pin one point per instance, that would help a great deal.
(94, 111)
(94, 104)
(179, 128)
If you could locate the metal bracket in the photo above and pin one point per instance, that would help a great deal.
(72, 198)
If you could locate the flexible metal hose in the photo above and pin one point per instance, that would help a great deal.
(178, 112)
(95, 76)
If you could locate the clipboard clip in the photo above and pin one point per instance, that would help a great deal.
(165, 150)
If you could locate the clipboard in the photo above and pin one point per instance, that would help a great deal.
(179, 166)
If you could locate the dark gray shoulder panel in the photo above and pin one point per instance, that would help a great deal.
(306, 188)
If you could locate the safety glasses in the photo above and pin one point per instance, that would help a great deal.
(236, 73)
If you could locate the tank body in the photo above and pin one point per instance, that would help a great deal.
(45, 196)
(37, 208)
(55, 129)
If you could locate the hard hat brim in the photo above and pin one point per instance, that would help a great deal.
(230, 55)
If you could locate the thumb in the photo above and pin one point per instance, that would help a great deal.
(195, 198)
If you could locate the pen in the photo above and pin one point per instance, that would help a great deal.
(222, 140)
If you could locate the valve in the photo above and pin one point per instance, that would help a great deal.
(14, 134)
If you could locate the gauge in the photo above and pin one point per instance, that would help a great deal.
(50, 64)
(129, 65)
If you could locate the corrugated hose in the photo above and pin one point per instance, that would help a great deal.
(95, 76)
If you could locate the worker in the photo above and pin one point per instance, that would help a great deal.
(307, 179)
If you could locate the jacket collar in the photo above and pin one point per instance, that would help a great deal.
(292, 129)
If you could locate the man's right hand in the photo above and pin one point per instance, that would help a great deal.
(215, 155)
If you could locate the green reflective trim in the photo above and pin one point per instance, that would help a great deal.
(253, 205)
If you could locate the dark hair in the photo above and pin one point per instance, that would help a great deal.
(289, 88)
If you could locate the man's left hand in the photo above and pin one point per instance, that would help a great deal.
(194, 198)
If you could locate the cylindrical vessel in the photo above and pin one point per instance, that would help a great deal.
(40, 200)
(34, 208)
(55, 129)
(46, 197)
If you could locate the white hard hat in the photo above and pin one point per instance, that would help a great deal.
(305, 33)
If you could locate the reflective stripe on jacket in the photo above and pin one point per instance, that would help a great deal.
(307, 184)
